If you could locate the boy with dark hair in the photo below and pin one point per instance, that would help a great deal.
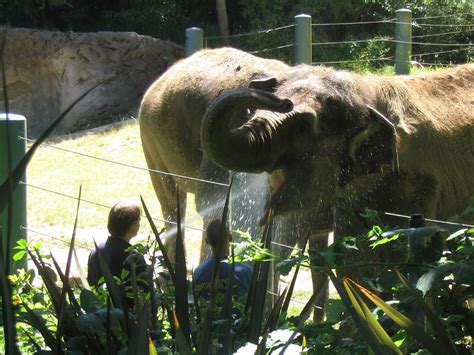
(123, 224)
(202, 276)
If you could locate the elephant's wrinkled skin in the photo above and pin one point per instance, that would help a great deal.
(391, 143)
(349, 141)
(170, 121)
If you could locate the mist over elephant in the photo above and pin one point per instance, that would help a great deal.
(399, 144)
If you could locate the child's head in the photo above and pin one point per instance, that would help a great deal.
(124, 220)
(213, 233)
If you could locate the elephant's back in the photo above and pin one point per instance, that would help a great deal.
(172, 108)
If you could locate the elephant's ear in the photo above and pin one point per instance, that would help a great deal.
(340, 114)
(266, 84)
(372, 149)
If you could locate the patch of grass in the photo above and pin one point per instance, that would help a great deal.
(103, 183)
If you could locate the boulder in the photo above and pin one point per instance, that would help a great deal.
(45, 71)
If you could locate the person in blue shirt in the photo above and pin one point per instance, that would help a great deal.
(202, 276)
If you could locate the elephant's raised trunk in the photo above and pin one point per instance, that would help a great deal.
(252, 147)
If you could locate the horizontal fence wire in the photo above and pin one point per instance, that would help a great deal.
(433, 44)
(129, 165)
(294, 300)
(287, 246)
(273, 49)
(353, 23)
(442, 34)
(102, 205)
(355, 60)
(415, 24)
(437, 221)
(460, 14)
(80, 245)
(253, 33)
(389, 39)
(383, 21)
(392, 40)
(441, 52)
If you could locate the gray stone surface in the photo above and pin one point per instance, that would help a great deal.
(46, 71)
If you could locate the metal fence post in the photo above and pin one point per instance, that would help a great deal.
(403, 41)
(17, 149)
(194, 40)
(303, 39)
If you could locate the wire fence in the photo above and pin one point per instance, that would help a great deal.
(161, 220)
(417, 22)
(468, 29)
(459, 40)
(81, 245)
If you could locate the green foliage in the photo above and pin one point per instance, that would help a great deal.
(442, 292)
(169, 19)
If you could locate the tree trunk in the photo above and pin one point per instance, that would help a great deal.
(223, 21)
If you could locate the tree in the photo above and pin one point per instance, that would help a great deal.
(222, 21)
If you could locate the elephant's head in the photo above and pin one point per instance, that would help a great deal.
(318, 127)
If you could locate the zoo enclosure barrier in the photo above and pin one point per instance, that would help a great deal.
(403, 39)
(303, 54)
(23, 228)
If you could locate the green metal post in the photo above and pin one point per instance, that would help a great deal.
(194, 40)
(303, 39)
(17, 150)
(403, 42)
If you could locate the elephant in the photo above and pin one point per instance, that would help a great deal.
(170, 118)
(334, 142)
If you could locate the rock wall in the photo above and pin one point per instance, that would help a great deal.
(45, 71)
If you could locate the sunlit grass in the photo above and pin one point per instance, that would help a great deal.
(103, 183)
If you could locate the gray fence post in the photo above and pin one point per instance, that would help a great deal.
(17, 149)
(303, 39)
(403, 41)
(194, 40)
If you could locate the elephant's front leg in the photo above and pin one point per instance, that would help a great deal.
(318, 242)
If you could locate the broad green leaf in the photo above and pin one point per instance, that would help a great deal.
(463, 272)
(75, 342)
(116, 315)
(21, 244)
(19, 255)
(384, 240)
(443, 343)
(90, 323)
(457, 234)
(89, 302)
